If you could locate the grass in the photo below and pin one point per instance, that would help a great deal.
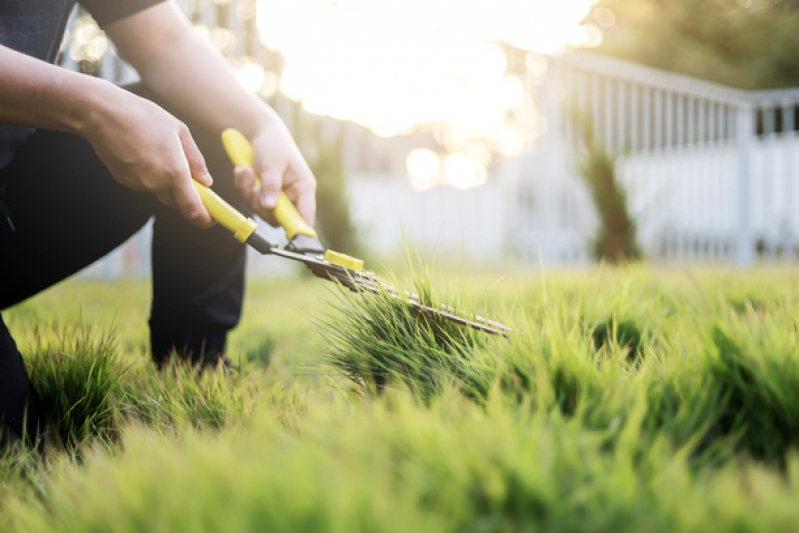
(634, 400)
(377, 340)
(77, 374)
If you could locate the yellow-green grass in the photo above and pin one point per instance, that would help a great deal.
(633, 400)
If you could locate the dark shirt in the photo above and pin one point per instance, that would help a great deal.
(36, 28)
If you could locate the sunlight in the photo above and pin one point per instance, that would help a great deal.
(251, 75)
(392, 64)
(463, 171)
(423, 166)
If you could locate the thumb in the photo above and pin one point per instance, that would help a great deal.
(197, 166)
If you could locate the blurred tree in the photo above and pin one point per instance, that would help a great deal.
(750, 44)
(336, 228)
(615, 241)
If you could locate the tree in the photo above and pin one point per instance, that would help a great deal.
(336, 227)
(615, 241)
(750, 44)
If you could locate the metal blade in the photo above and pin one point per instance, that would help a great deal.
(369, 282)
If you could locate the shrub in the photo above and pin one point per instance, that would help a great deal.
(615, 241)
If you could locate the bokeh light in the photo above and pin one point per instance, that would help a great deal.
(424, 167)
(464, 171)
(222, 39)
(604, 17)
(250, 74)
(88, 42)
(269, 86)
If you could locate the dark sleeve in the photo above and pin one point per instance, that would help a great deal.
(108, 11)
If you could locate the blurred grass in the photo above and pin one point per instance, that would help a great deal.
(635, 400)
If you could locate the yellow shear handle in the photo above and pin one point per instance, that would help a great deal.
(240, 151)
(225, 214)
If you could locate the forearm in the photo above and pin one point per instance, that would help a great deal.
(195, 80)
(37, 94)
(143, 146)
(192, 77)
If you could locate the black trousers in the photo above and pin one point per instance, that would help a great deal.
(68, 211)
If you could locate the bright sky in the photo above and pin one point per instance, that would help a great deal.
(392, 64)
(395, 64)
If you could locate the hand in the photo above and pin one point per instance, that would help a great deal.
(147, 149)
(280, 166)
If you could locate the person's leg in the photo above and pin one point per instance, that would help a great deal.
(198, 275)
(69, 211)
(66, 212)
(20, 418)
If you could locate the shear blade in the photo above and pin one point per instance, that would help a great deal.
(369, 282)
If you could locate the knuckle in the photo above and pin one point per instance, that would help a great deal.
(165, 168)
(199, 163)
(149, 182)
(193, 213)
(177, 174)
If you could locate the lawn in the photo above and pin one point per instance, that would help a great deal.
(629, 399)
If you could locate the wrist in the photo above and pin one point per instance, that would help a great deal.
(94, 101)
(257, 123)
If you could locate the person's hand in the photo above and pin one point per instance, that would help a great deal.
(280, 166)
(147, 149)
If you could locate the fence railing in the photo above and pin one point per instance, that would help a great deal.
(711, 171)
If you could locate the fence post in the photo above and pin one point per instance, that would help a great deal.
(744, 136)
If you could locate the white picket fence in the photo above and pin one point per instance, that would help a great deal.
(711, 172)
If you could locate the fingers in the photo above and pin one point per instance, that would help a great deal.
(280, 167)
(302, 193)
(195, 159)
(188, 202)
(244, 180)
(185, 195)
(167, 198)
(269, 192)
(306, 206)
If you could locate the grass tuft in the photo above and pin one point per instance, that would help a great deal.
(761, 390)
(378, 340)
(622, 333)
(77, 376)
(185, 396)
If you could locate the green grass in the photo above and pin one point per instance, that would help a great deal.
(633, 400)
(77, 374)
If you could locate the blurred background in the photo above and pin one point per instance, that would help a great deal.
(515, 132)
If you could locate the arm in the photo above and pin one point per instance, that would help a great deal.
(196, 80)
(119, 126)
